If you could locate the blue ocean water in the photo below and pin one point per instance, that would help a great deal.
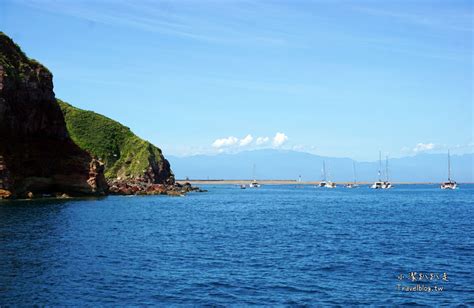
(277, 245)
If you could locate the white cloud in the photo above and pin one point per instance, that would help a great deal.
(232, 143)
(422, 147)
(279, 139)
(262, 140)
(246, 141)
(225, 142)
(437, 148)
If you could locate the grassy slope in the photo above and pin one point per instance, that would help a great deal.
(123, 153)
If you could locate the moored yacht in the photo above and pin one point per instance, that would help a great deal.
(382, 184)
(450, 184)
(254, 183)
(324, 182)
(378, 185)
(353, 184)
(330, 184)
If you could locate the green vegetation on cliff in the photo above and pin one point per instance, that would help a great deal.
(124, 154)
(14, 61)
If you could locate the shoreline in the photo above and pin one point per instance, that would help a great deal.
(291, 182)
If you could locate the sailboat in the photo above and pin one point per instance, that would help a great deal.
(254, 183)
(325, 182)
(382, 184)
(354, 184)
(450, 184)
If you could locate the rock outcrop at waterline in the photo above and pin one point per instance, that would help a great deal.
(140, 187)
(37, 156)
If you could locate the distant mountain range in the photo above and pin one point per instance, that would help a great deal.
(284, 164)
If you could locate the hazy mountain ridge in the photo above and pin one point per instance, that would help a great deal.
(285, 164)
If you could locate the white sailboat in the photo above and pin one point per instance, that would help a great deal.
(354, 184)
(450, 184)
(323, 175)
(382, 184)
(254, 183)
(325, 182)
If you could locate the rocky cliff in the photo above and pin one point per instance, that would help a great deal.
(37, 156)
(126, 156)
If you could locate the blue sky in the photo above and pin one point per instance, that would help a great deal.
(338, 78)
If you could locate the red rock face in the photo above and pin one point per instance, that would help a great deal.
(4, 180)
(160, 172)
(36, 152)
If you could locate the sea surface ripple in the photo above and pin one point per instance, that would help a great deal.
(276, 245)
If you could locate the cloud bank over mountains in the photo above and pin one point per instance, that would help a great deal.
(231, 143)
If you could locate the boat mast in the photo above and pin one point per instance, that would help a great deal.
(386, 167)
(253, 173)
(380, 166)
(324, 170)
(449, 167)
(354, 169)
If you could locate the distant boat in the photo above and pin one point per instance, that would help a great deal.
(325, 182)
(450, 184)
(242, 186)
(354, 184)
(254, 183)
(382, 184)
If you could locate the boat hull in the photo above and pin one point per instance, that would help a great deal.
(381, 185)
(327, 184)
(449, 186)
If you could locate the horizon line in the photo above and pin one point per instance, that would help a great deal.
(313, 154)
(293, 182)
